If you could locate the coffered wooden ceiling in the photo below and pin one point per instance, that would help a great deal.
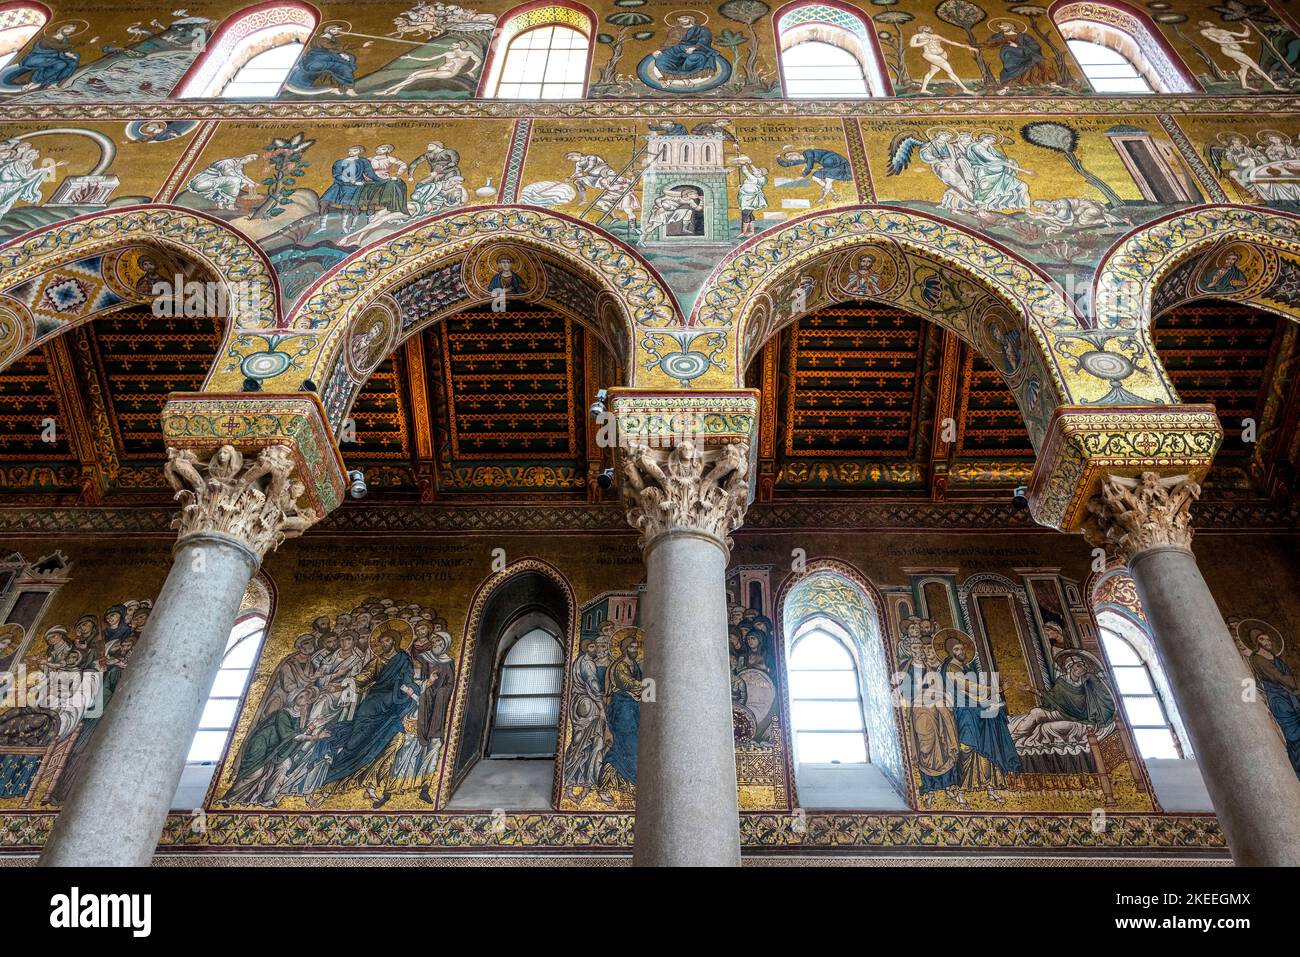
(484, 407)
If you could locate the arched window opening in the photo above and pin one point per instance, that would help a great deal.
(251, 54)
(541, 54)
(1119, 50)
(827, 53)
(263, 75)
(1107, 70)
(1143, 690)
(843, 730)
(505, 754)
(527, 717)
(221, 710)
(1145, 708)
(825, 698)
(19, 22)
(222, 706)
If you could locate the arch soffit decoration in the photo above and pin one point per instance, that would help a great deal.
(869, 623)
(312, 342)
(1174, 260)
(40, 301)
(218, 63)
(468, 646)
(1060, 362)
(786, 21)
(868, 627)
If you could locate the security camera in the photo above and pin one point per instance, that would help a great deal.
(1020, 497)
(358, 488)
(598, 407)
(605, 479)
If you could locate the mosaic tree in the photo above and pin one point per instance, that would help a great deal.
(1064, 139)
(284, 156)
(627, 22)
(896, 55)
(1032, 12)
(733, 41)
(747, 13)
(968, 16)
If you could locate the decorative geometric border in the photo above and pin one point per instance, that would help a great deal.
(1210, 515)
(1085, 444)
(711, 418)
(227, 254)
(360, 110)
(233, 832)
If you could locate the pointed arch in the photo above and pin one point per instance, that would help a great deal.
(456, 762)
(1130, 34)
(19, 23)
(1176, 259)
(834, 24)
(242, 36)
(832, 589)
(63, 275)
(422, 274)
(1004, 306)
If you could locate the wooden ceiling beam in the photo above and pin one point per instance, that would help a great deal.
(943, 436)
(83, 411)
(414, 358)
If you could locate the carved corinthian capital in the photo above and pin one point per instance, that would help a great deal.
(686, 488)
(1135, 514)
(255, 504)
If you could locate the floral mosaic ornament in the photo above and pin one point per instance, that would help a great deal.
(248, 284)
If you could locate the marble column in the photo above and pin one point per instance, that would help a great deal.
(686, 501)
(231, 514)
(1255, 791)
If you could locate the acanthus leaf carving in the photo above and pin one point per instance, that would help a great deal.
(1151, 511)
(685, 488)
(255, 504)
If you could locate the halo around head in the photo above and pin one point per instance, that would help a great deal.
(54, 27)
(1249, 628)
(700, 17)
(945, 636)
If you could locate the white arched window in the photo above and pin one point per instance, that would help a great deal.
(526, 722)
(827, 53)
(1119, 50)
(222, 706)
(541, 54)
(826, 716)
(19, 22)
(251, 53)
(264, 74)
(221, 709)
(1109, 71)
(1143, 704)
